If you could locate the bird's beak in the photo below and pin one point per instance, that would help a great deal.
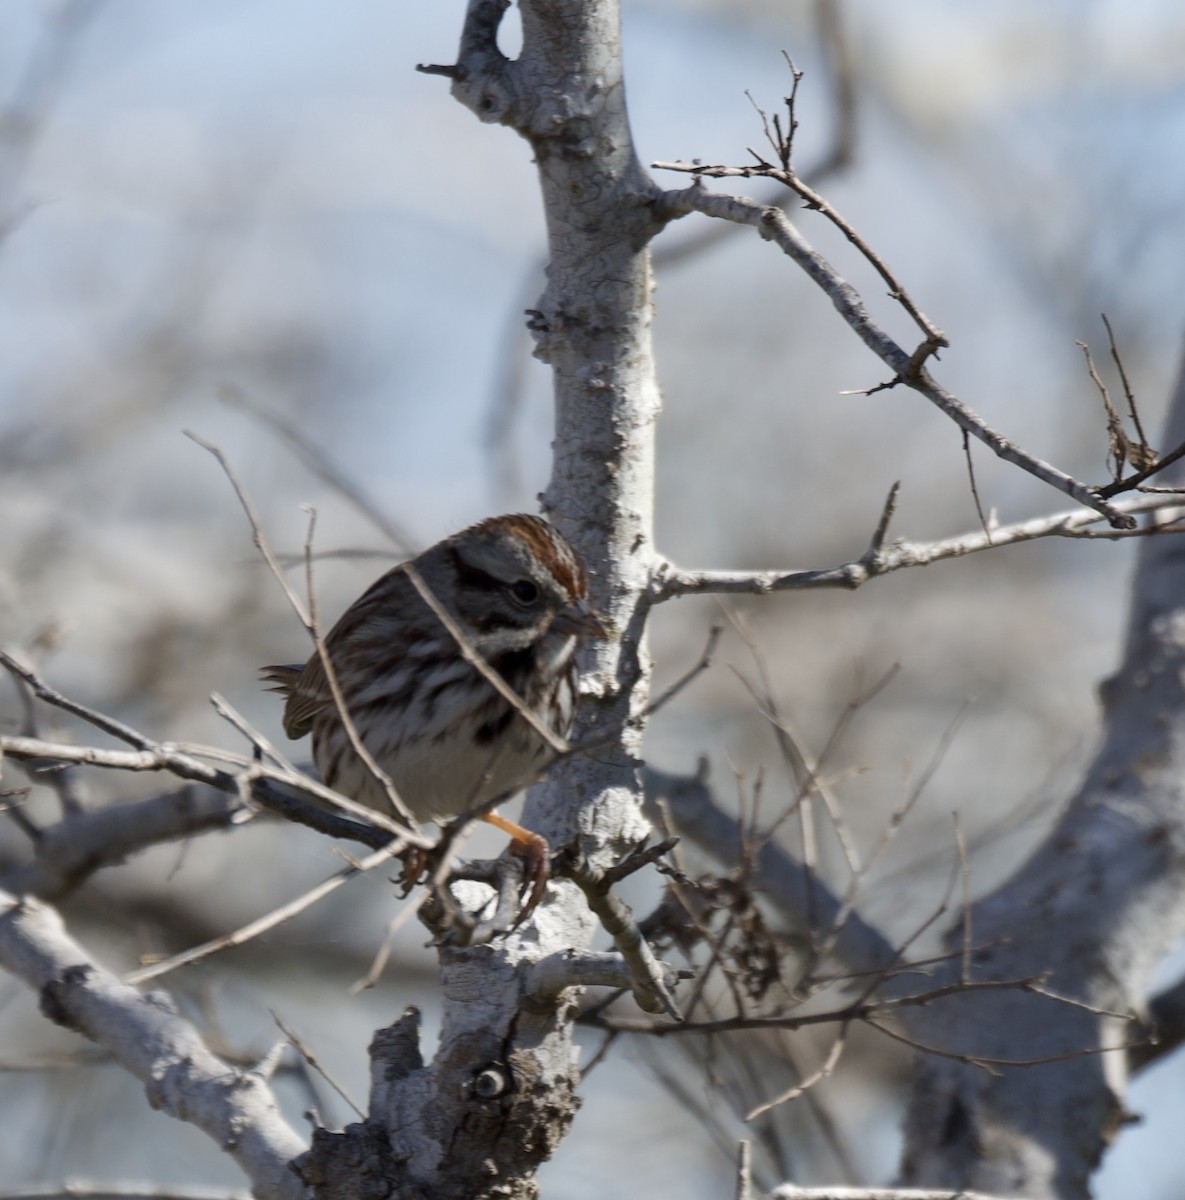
(580, 620)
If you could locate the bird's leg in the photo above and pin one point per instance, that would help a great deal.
(416, 860)
(534, 849)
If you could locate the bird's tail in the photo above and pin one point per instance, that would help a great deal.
(282, 677)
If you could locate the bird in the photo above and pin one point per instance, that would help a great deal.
(510, 592)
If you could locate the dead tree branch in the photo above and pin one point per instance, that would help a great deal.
(671, 581)
(773, 225)
(146, 1036)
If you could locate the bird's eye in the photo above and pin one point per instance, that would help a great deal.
(524, 591)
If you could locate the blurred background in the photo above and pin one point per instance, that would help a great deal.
(209, 212)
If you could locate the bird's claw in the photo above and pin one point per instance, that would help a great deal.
(536, 855)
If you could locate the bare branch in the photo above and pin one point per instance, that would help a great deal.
(1148, 453)
(935, 339)
(87, 1189)
(671, 581)
(42, 690)
(301, 1048)
(984, 524)
(817, 1076)
(861, 1009)
(308, 618)
(73, 849)
(835, 159)
(147, 1037)
(411, 906)
(704, 662)
(788, 1191)
(780, 877)
(315, 458)
(185, 763)
(993, 1063)
(270, 920)
(648, 976)
(775, 226)
(584, 968)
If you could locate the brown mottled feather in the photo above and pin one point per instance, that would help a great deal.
(439, 730)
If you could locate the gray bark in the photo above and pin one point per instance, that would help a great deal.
(500, 1092)
(146, 1036)
(1098, 905)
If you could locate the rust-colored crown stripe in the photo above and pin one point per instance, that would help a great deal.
(548, 545)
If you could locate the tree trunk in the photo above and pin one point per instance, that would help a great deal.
(1094, 910)
(500, 1092)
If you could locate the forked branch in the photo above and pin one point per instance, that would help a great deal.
(907, 366)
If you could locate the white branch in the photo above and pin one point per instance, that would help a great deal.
(87, 1189)
(145, 1035)
(787, 1191)
(564, 969)
(672, 581)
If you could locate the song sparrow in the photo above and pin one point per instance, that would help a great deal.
(449, 741)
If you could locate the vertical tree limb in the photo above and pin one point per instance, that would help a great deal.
(1097, 905)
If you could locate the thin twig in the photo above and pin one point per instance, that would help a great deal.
(259, 541)
(277, 916)
(965, 874)
(1117, 441)
(992, 1063)
(703, 663)
(1129, 395)
(858, 1010)
(307, 617)
(301, 1047)
(408, 910)
(935, 338)
(890, 831)
(65, 782)
(898, 964)
(983, 521)
(817, 1076)
(680, 888)
(233, 717)
(318, 461)
(42, 690)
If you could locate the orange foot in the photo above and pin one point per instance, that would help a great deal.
(534, 849)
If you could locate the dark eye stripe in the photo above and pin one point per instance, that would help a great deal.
(471, 576)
